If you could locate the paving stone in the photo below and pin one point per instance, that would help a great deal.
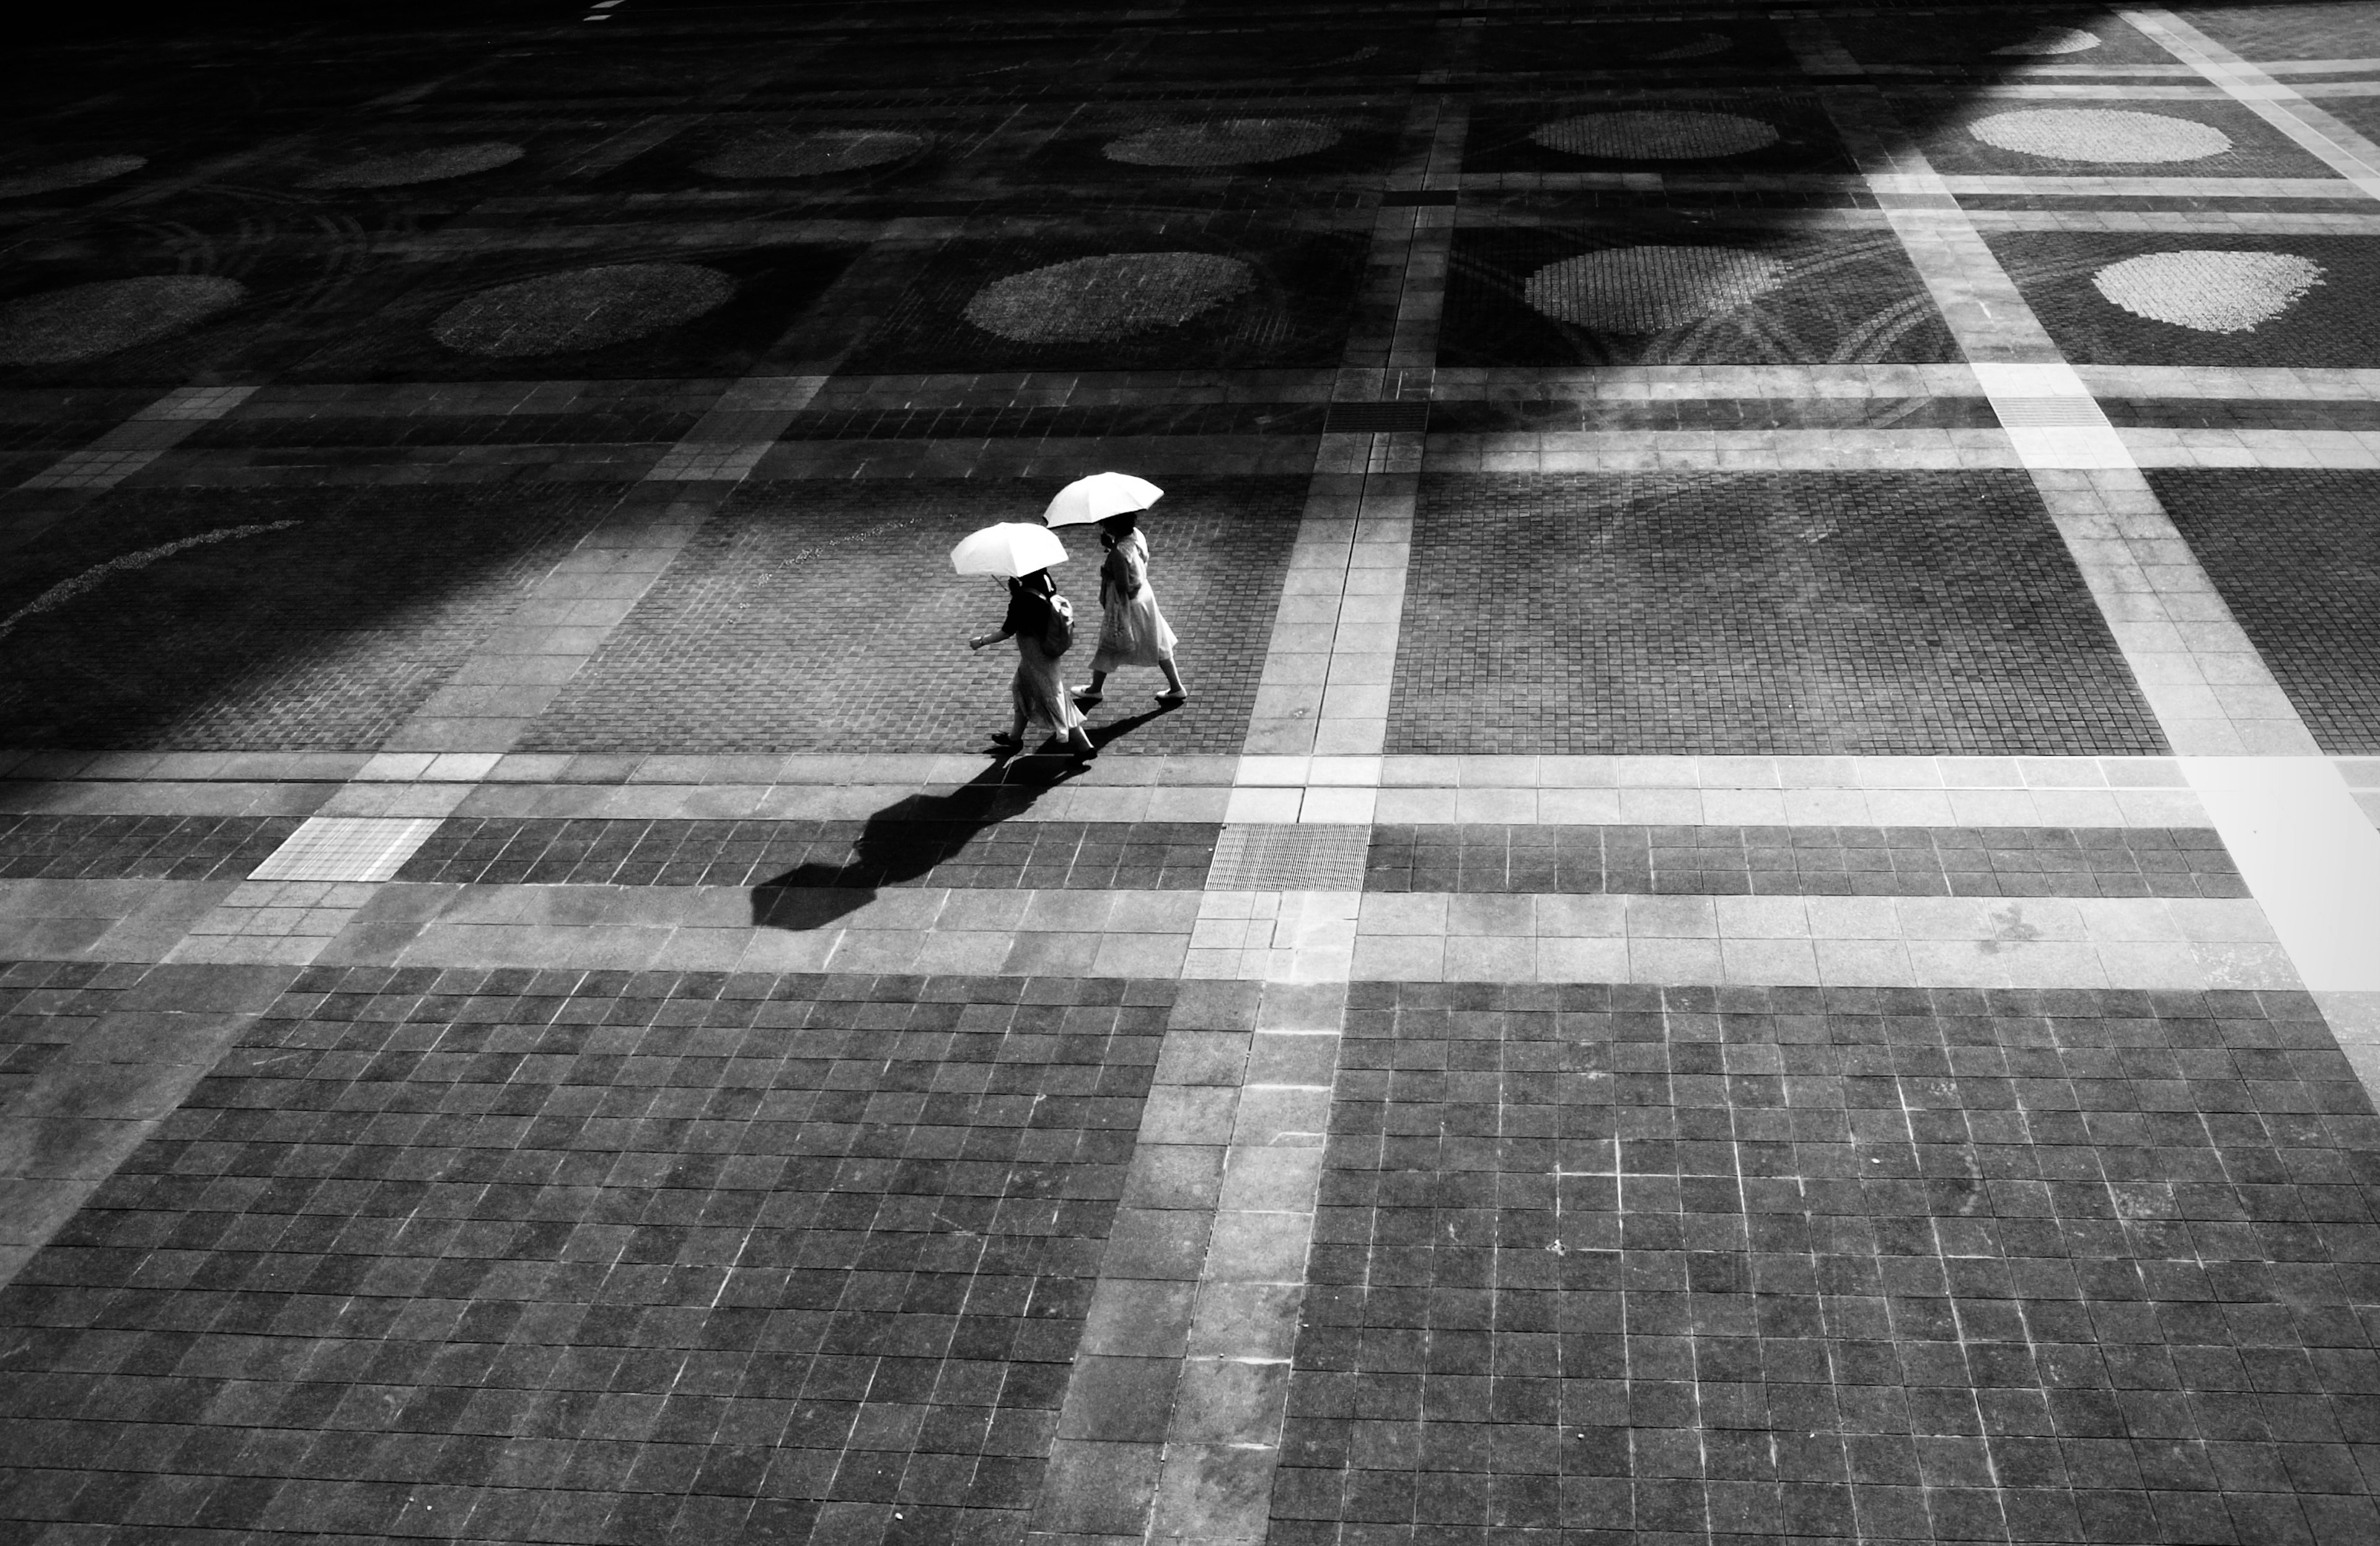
(1718, 1264)
(826, 618)
(2291, 552)
(1476, 858)
(792, 1242)
(1752, 613)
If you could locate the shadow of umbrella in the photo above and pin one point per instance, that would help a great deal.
(908, 838)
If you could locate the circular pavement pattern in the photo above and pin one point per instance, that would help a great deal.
(68, 173)
(1115, 297)
(1224, 142)
(1655, 136)
(1647, 289)
(2100, 133)
(585, 309)
(811, 153)
(85, 322)
(2053, 39)
(432, 165)
(2211, 292)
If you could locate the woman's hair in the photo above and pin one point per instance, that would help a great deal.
(1120, 525)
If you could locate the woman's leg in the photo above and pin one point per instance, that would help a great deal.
(1173, 688)
(1091, 694)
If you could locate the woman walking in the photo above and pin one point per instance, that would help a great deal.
(1132, 631)
(1036, 694)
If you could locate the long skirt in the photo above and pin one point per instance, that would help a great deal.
(1133, 632)
(1038, 693)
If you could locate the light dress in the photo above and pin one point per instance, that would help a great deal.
(1132, 631)
(1040, 695)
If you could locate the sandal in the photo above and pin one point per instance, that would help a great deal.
(1009, 742)
(1089, 700)
(1173, 700)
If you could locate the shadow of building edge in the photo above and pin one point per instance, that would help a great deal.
(890, 850)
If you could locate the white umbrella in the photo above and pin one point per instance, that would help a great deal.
(1100, 496)
(1009, 549)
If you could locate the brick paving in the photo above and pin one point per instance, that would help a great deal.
(1753, 614)
(825, 618)
(2294, 556)
(1802, 860)
(771, 1256)
(370, 597)
(1033, 855)
(1636, 1263)
(602, 493)
(137, 847)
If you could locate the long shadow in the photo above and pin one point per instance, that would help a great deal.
(906, 840)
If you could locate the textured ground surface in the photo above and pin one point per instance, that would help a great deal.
(1701, 968)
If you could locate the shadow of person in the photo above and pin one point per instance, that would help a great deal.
(908, 838)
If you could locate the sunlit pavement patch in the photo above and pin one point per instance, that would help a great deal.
(2294, 302)
(69, 174)
(2099, 134)
(1647, 289)
(584, 309)
(2212, 292)
(811, 153)
(1224, 143)
(434, 165)
(88, 321)
(2052, 41)
(1118, 295)
(1652, 136)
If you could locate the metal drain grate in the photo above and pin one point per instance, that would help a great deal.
(347, 848)
(2049, 413)
(1377, 419)
(1278, 857)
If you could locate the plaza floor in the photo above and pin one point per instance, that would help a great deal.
(1762, 926)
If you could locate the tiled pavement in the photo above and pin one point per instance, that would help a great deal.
(1763, 924)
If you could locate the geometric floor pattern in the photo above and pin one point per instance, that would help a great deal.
(1753, 922)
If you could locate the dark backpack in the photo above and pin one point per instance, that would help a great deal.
(1058, 635)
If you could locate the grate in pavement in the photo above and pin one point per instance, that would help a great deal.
(2049, 413)
(1253, 856)
(347, 848)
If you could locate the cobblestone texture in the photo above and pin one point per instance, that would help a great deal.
(2334, 326)
(1500, 139)
(1037, 855)
(1955, 42)
(321, 635)
(1726, 46)
(1754, 613)
(1695, 1264)
(1804, 861)
(816, 617)
(2300, 32)
(2257, 150)
(781, 1259)
(137, 847)
(1296, 312)
(1844, 299)
(2296, 556)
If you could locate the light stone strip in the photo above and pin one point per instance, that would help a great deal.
(1326, 679)
(2210, 690)
(141, 440)
(2327, 139)
(2301, 843)
(1314, 938)
(2077, 186)
(2209, 223)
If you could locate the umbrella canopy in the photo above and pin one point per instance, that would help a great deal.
(1009, 549)
(1100, 496)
